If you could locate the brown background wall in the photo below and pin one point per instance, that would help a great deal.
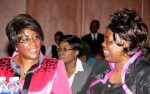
(8, 9)
(69, 16)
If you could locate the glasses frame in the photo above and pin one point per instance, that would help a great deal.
(26, 39)
(64, 49)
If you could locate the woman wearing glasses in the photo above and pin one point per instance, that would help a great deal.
(69, 51)
(38, 74)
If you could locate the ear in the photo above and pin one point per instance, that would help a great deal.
(125, 44)
(76, 52)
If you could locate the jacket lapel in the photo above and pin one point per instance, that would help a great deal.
(78, 80)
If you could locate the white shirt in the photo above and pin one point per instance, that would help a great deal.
(94, 36)
(79, 67)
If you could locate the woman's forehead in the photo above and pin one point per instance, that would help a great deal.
(64, 43)
(108, 33)
(28, 32)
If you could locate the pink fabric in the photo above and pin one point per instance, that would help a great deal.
(54, 82)
(61, 78)
(22, 83)
(43, 77)
(49, 78)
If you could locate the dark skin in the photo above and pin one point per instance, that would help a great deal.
(94, 27)
(111, 52)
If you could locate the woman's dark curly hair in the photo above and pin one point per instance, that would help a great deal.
(127, 25)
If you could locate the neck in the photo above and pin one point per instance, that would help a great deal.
(120, 65)
(25, 63)
(70, 67)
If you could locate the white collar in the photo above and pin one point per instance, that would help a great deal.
(79, 66)
(94, 35)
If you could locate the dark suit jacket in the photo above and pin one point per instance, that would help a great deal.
(96, 46)
(80, 78)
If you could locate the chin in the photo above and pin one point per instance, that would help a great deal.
(34, 56)
(107, 58)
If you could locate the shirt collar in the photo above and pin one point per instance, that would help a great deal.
(79, 66)
(94, 35)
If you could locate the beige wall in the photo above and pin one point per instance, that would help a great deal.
(8, 9)
(55, 15)
(74, 16)
(69, 16)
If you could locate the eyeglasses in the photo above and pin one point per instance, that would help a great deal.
(63, 49)
(27, 39)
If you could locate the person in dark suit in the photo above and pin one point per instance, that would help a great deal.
(94, 39)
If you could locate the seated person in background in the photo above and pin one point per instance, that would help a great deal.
(38, 74)
(52, 50)
(94, 39)
(86, 55)
(43, 49)
(125, 40)
(77, 71)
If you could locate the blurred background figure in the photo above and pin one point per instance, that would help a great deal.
(86, 54)
(10, 49)
(94, 39)
(147, 53)
(69, 51)
(43, 49)
(52, 50)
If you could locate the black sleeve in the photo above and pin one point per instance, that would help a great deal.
(97, 69)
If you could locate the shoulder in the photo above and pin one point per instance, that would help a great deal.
(142, 69)
(5, 60)
(50, 61)
(5, 67)
(100, 66)
(100, 34)
(140, 75)
(86, 36)
(99, 69)
(144, 65)
(86, 66)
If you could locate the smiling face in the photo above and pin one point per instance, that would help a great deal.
(29, 44)
(112, 51)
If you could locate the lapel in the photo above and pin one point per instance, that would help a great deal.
(78, 80)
